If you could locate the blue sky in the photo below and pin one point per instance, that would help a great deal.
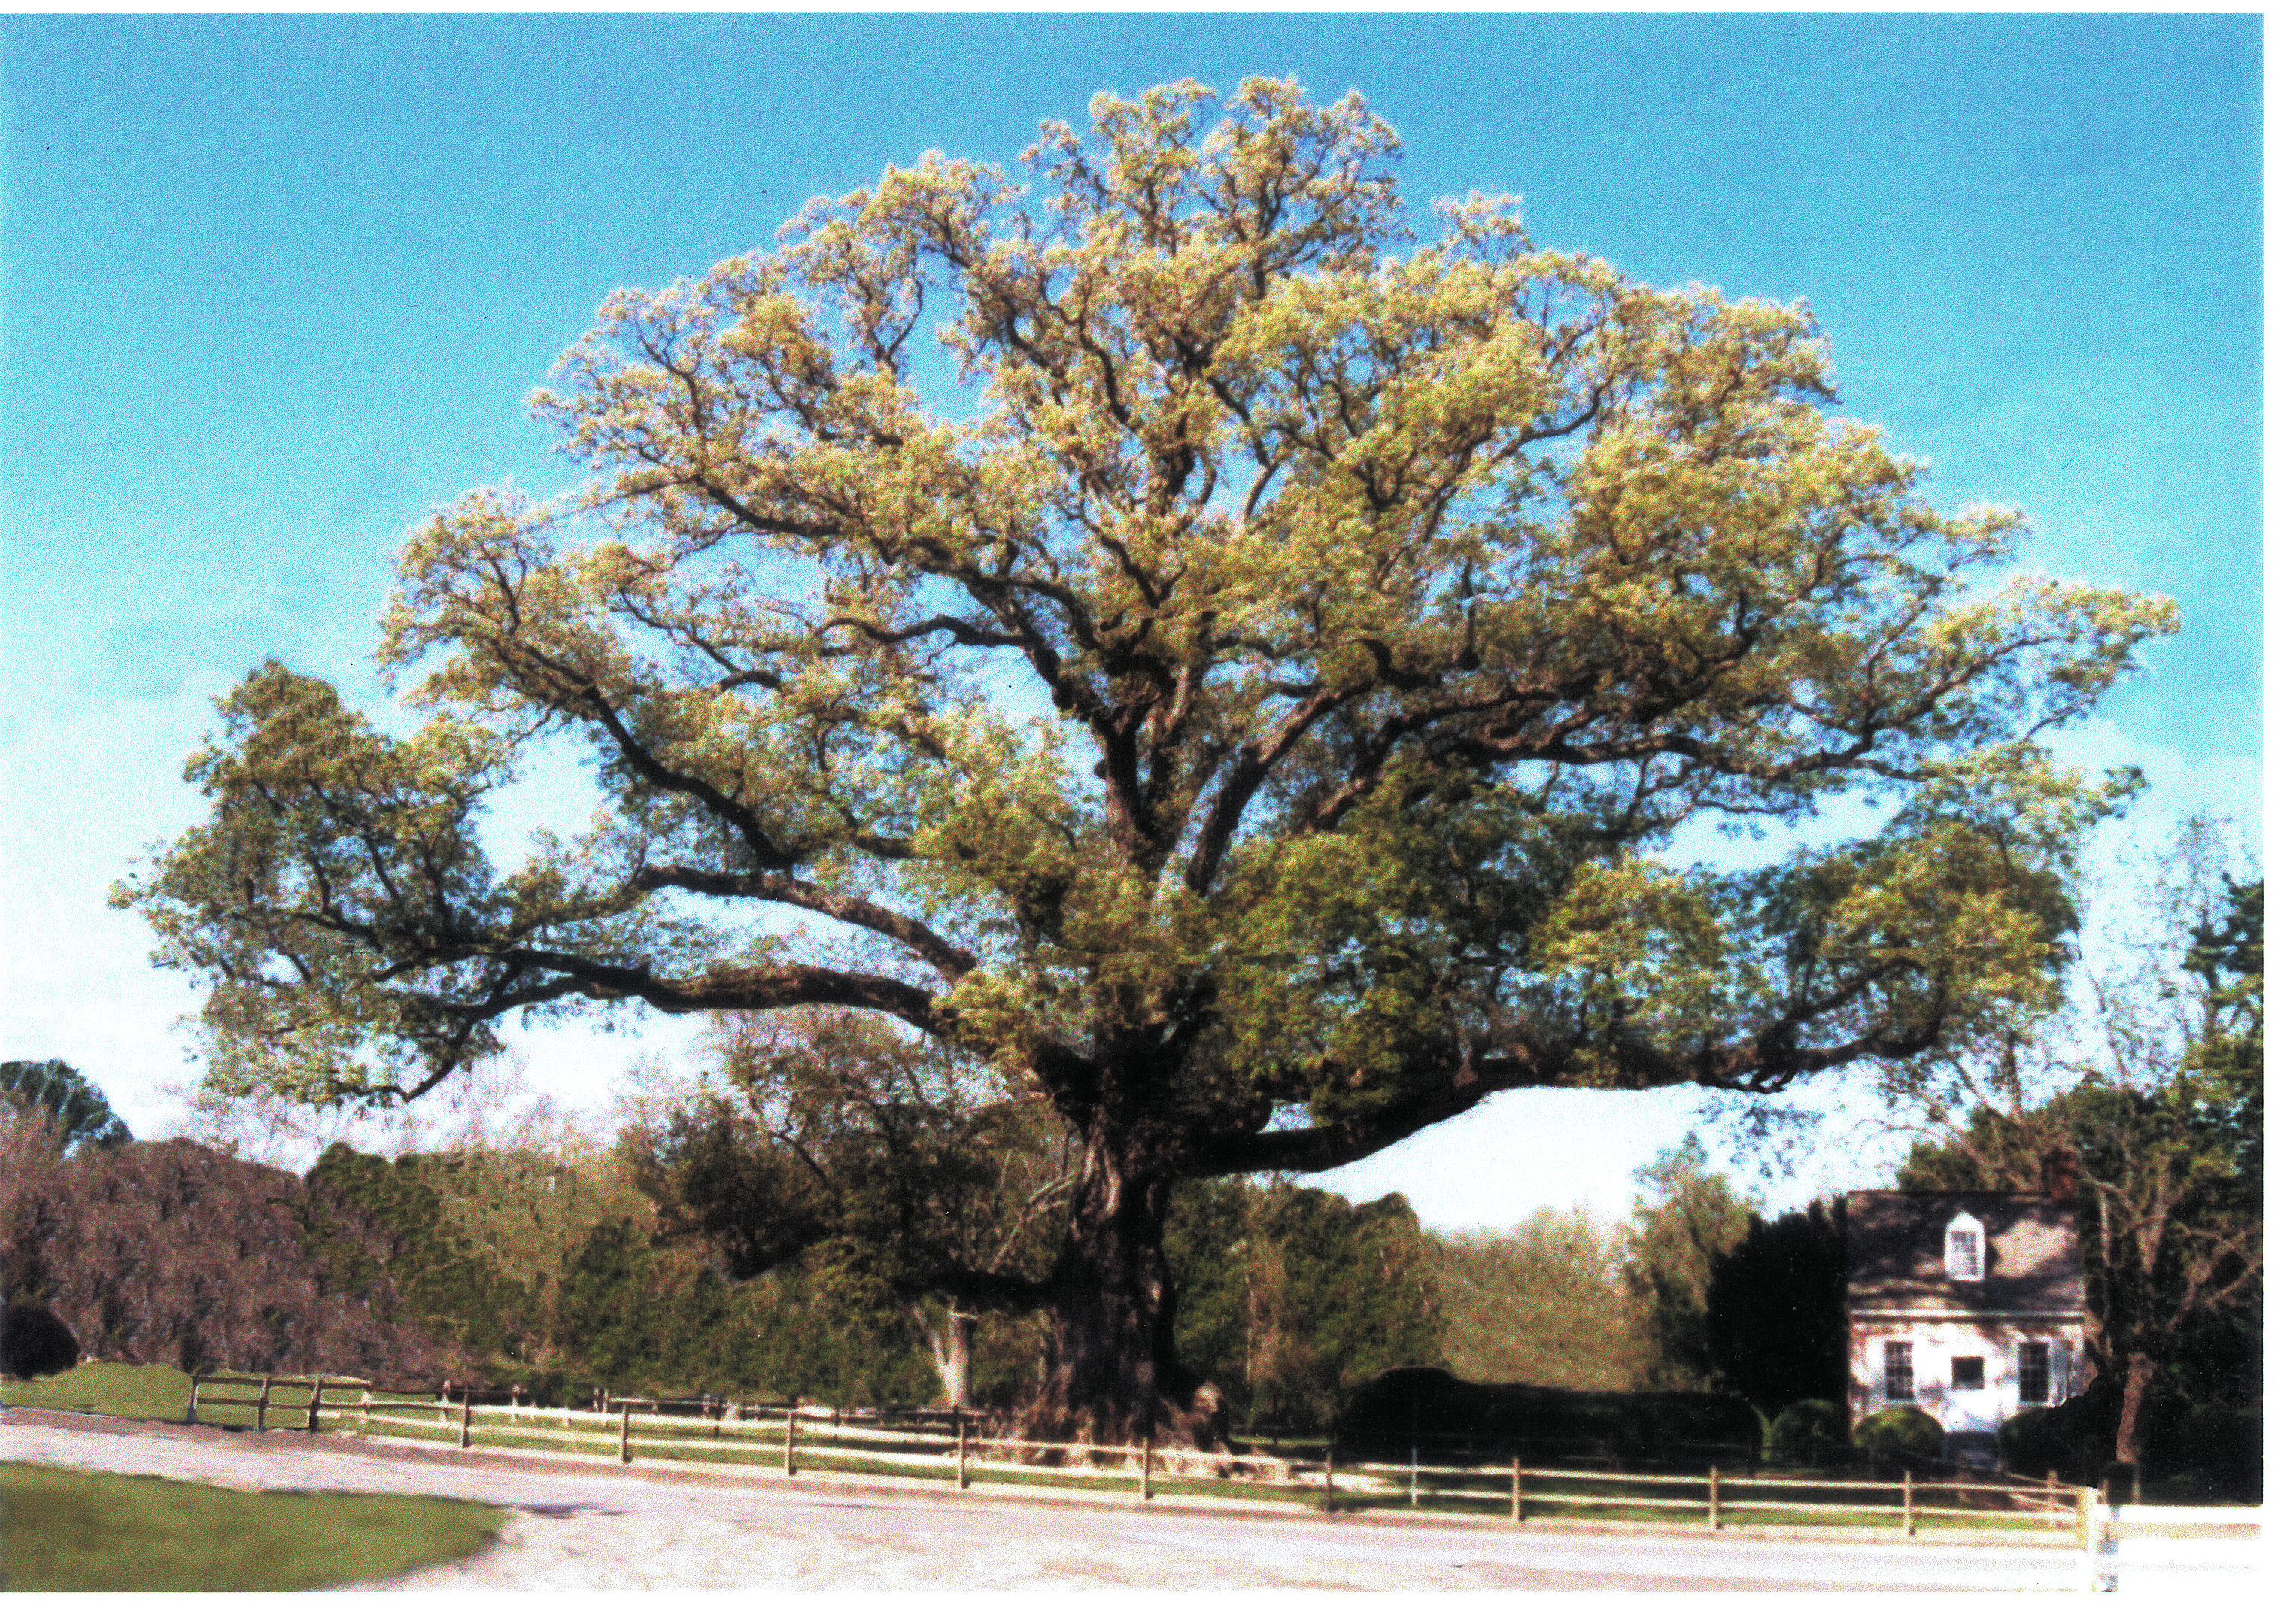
(271, 287)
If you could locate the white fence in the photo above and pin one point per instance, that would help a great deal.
(2148, 1545)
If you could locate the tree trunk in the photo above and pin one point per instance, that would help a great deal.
(2128, 1445)
(1113, 1372)
(952, 1350)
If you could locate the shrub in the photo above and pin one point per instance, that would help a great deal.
(1427, 1407)
(34, 1341)
(1803, 1431)
(2075, 1438)
(1900, 1437)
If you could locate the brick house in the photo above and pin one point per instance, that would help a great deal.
(1968, 1305)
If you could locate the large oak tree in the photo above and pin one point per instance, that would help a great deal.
(1169, 633)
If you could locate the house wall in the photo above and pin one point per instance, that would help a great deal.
(1937, 1342)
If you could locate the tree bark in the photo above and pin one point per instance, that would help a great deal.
(952, 1350)
(2128, 1446)
(1113, 1372)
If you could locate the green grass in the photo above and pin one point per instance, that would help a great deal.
(129, 1390)
(79, 1530)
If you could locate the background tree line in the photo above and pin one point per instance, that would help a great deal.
(747, 1233)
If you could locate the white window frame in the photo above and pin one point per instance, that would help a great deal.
(1913, 1384)
(2049, 1373)
(1970, 1234)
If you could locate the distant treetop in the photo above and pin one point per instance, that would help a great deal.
(79, 1111)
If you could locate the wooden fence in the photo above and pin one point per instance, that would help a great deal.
(313, 1387)
(940, 1444)
(1717, 1494)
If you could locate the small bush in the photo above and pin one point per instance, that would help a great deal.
(1804, 1430)
(1901, 1438)
(2074, 1438)
(1428, 1407)
(34, 1341)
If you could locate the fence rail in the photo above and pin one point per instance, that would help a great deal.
(314, 1386)
(951, 1446)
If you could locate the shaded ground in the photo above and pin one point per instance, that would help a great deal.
(578, 1526)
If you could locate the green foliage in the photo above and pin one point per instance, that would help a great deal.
(81, 1530)
(2073, 1439)
(1427, 1407)
(1804, 1431)
(1549, 1303)
(1291, 1298)
(81, 1114)
(910, 1182)
(406, 1260)
(1687, 1221)
(663, 1319)
(1901, 1438)
(1776, 1316)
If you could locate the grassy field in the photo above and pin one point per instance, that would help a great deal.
(77, 1530)
(129, 1390)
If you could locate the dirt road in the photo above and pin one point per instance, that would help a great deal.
(576, 1525)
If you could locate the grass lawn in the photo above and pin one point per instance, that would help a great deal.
(153, 1391)
(79, 1530)
(127, 1389)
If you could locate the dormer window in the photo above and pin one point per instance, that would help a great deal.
(1964, 1248)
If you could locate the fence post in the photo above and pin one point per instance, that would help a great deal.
(313, 1424)
(1909, 1502)
(1147, 1453)
(788, 1442)
(366, 1404)
(1714, 1496)
(1514, 1491)
(263, 1402)
(2088, 1521)
(963, 1480)
(191, 1412)
(1414, 1475)
(625, 1432)
(1328, 1453)
(466, 1418)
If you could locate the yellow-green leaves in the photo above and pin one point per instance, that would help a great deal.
(1160, 626)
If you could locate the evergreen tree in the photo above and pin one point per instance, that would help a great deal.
(76, 1107)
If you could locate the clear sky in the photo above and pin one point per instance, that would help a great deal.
(271, 287)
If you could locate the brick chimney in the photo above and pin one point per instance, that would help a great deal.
(2060, 1174)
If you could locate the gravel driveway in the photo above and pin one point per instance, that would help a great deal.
(576, 1525)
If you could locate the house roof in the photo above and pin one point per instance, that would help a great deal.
(1897, 1252)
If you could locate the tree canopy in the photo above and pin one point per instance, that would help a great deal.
(1162, 629)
